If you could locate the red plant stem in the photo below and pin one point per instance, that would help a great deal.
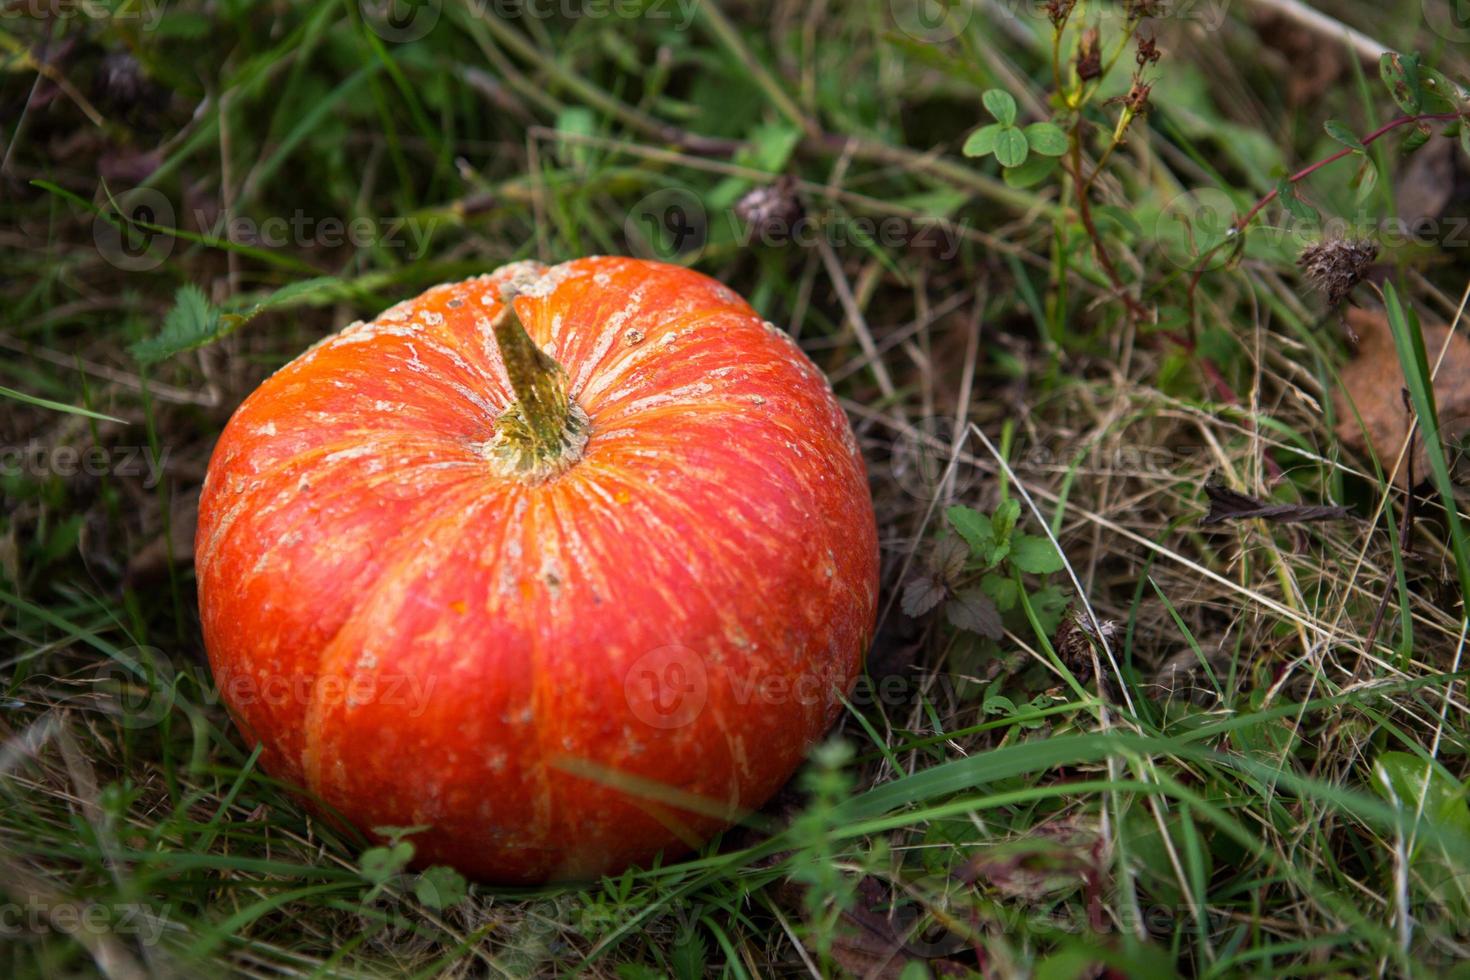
(1084, 210)
(1244, 221)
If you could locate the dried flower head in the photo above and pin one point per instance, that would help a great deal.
(1058, 11)
(1336, 265)
(1089, 56)
(1148, 51)
(771, 210)
(1137, 98)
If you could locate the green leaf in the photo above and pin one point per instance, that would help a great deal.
(1292, 201)
(1440, 93)
(1036, 169)
(1047, 139)
(1401, 74)
(687, 957)
(194, 322)
(974, 527)
(771, 145)
(995, 703)
(982, 141)
(1465, 133)
(1010, 147)
(439, 887)
(378, 864)
(1343, 135)
(1035, 554)
(1001, 105)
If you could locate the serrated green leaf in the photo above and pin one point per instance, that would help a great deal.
(1010, 147)
(974, 611)
(1343, 135)
(1046, 138)
(973, 526)
(982, 141)
(1035, 554)
(1001, 105)
(687, 957)
(194, 322)
(921, 595)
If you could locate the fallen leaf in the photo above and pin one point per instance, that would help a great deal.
(1373, 382)
(1227, 505)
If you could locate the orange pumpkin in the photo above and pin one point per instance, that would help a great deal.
(568, 565)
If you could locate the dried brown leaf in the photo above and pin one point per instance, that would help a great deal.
(1227, 505)
(1372, 381)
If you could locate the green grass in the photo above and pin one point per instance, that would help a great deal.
(1180, 752)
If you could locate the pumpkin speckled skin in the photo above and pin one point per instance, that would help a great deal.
(561, 677)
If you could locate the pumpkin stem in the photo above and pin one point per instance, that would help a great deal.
(543, 431)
